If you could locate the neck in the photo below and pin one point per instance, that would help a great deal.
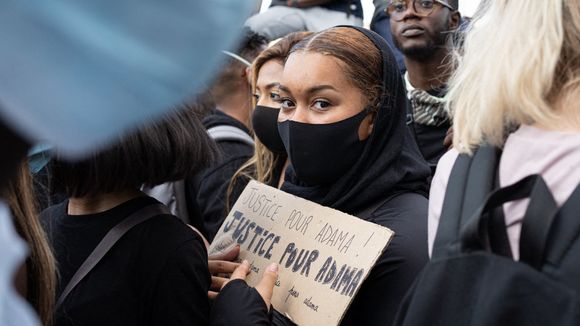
(566, 108)
(237, 106)
(429, 73)
(100, 203)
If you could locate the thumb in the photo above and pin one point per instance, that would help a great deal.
(228, 254)
(266, 285)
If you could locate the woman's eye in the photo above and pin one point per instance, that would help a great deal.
(321, 105)
(275, 97)
(256, 96)
(286, 103)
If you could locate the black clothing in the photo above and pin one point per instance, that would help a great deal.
(353, 7)
(379, 297)
(238, 299)
(157, 274)
(430, 141)
(206, 193)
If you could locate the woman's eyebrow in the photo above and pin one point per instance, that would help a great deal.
(311, 90)
(320, 88)
(272, 85)
(284, 89)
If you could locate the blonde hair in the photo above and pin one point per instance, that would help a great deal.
(41, 265)
(520, 57)
(261, 165)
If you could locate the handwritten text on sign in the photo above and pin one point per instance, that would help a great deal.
(324, 255)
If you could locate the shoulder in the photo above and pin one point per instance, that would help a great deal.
(406, 215)
(169, 233)
(403, 205)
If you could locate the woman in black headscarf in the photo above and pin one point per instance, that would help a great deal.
(343, 123)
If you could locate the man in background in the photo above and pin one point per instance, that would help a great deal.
(229, 125)
(423, 32)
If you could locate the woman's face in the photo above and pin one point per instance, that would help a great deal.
(315, 90)
(269, 77)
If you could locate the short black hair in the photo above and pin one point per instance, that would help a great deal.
(249, 46)
(454, 4)
(169, 150)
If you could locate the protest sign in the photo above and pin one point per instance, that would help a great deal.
(324, 255)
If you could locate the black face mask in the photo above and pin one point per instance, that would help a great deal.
(321, 153)
(265, 124)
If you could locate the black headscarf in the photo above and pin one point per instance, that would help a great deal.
(391, 162)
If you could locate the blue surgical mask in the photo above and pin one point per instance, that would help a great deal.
(76, 74)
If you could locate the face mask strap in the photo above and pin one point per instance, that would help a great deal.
(237, 57)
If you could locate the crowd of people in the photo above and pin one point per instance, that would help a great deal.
(460, 135)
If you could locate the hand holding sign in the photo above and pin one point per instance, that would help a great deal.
(219, 264)
(266, 285)
(323, 255)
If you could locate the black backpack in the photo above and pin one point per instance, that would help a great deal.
(472, 278)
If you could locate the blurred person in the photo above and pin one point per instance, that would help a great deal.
(350, 149)
(157, 272)
(115, 90)
(287, 16)
(229, 126)
(422, 31)
(36, 279)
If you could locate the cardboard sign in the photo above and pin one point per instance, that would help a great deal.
(324, 255)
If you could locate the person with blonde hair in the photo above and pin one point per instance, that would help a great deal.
(518, 92)
(503, 211)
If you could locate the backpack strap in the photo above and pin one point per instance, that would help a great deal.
(471, 180)
(476, 233)
(536, 225)
(565, 229)
(225, 132)
(110, 239)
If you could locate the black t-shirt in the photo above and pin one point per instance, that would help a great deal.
(156, 274)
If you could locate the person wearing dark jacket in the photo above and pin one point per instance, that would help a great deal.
(422, 31)
(157, 273)
(344, 129)
(206, 193)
